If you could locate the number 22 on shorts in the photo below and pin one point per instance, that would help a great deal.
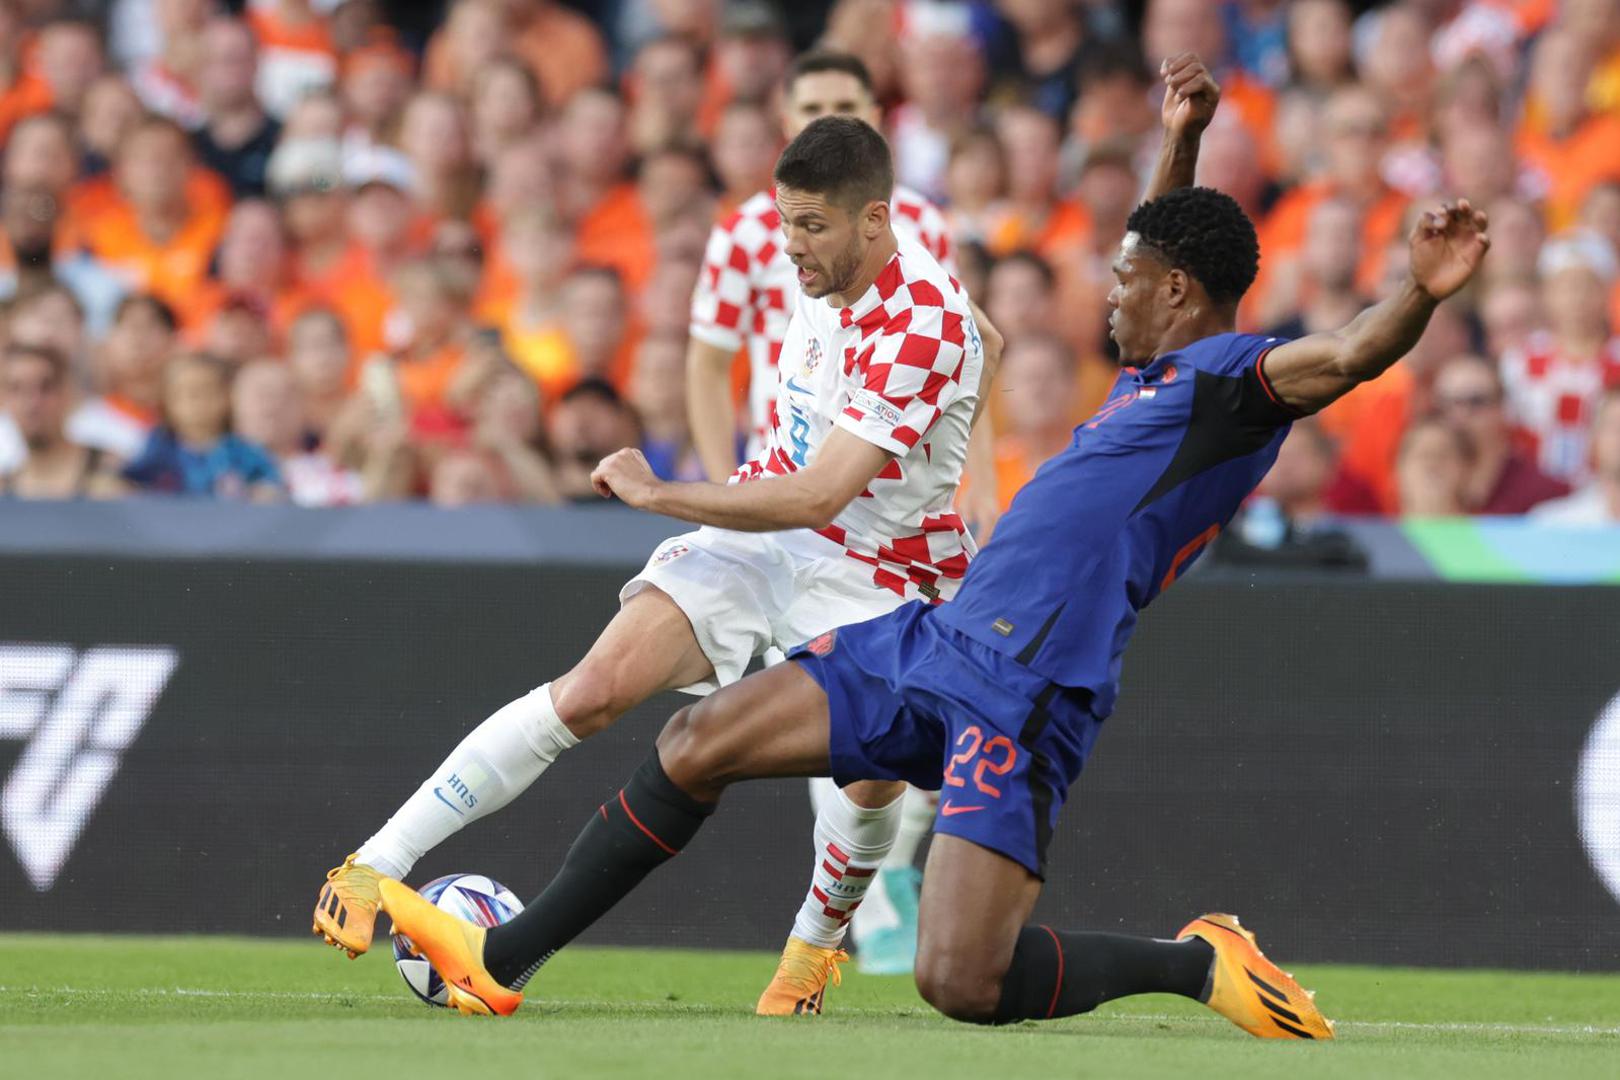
(997, 755)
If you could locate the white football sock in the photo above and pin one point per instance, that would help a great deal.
(851, 842)
(916, 819)
(493, 765)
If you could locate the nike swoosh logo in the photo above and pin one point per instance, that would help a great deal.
(951, 811)
(796, 388)
(440, 796)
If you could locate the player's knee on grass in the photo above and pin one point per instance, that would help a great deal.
(962, 986)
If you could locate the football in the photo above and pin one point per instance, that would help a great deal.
(473, 897)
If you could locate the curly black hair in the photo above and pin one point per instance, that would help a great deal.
(1205, 233)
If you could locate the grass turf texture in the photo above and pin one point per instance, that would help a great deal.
(227, 1008)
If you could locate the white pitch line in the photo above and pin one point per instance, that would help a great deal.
(311, 995)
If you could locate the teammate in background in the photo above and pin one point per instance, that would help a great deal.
(845, 515)
(745, 296)
(998, 696)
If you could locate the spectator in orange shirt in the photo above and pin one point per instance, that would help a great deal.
(296, 54)
(1575, 148)
(1170, 27)
(433, 134)
(22, 92)
(110, 109)
(1021, 296)
(70, 60)
(506, 107)
(1229, 161)
(975, 184)
(1035, 216)
(589, 338)
(1316, 286)
(305, 176)
(155, 232)
(562, 47)
(665, 306)
(612, 223)
(1037, 385)
(254, 271)
(434, 309)
(666, 92)
(744, 151)
(1479, 164)
(239, 136)
(1355, 138)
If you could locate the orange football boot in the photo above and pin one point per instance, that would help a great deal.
(1251, 991)
(455, 949)
(800, 982)
(346, 910)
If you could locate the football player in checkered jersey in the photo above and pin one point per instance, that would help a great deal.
(745, 297)
(845, 516)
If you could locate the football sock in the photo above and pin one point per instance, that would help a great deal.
(632, 834)
(916, 819)
(1061, 973)
(850, 844)
(493, 765)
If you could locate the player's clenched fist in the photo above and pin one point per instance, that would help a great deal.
(1190, 94)
(625, 473)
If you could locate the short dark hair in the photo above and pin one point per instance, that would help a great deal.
(1033, 260)
(1204, 233)
(163, 311)
(841, 158)
(819, 60)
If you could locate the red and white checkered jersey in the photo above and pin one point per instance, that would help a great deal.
(746, 289)
(1553, 398)
(899, 368)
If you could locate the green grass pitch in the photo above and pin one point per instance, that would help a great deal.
(225, 1008)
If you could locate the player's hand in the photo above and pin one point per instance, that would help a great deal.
(625, 473)
(1448, 245)
(1190, 95)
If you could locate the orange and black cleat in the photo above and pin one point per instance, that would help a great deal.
(800, 982)
(1251, 991)
(346, 910)
(455, 949)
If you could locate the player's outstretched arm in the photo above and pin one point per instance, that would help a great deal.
(1191, 97)
(710, 414)
(1448, 245)
(808, 499)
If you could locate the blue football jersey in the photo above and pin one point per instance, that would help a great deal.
(1109, 523)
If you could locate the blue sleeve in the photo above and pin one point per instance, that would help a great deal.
(152, 464)
(256, 465)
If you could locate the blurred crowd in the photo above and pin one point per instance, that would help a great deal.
(333, 253)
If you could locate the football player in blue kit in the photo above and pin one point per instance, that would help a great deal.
(997, 698)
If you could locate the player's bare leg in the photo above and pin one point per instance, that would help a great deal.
(978, 961)
(648, 646)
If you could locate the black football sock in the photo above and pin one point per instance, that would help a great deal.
(1058, 973)
(638, 830)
